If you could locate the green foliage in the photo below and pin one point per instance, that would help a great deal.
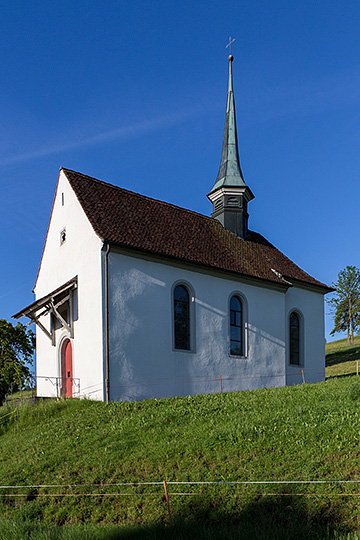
(17, 345)
(345, 304)
(306, 432)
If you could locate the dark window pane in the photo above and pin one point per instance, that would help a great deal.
(236, 330)
(294, 339)
(235, 333)
(235, 304)
(181, 318)
(235, 348)
(181, 294)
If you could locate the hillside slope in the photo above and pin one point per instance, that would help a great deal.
(342, 359)
(308, 432)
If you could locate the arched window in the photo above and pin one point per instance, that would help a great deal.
(294, 335)
(236, 327)
(182, 318)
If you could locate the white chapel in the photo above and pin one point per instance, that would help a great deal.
(137, 298)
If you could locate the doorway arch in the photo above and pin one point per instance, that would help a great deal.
(66, 369)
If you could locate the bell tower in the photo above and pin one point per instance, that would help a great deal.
(230, 195)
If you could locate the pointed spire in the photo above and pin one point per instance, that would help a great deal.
(230, 173)
(230, 195)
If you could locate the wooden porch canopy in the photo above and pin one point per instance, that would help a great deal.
(51, 304)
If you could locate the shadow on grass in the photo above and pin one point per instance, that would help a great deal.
(271, 518)
(350, 354)
(341, 375)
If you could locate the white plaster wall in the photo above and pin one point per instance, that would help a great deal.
(143, 363)
(80, 256)
(310, 306)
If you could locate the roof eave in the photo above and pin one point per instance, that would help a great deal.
(245, 190)
(282, 284)
(34, 306)
(316, 287)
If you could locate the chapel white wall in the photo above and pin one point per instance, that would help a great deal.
(310, 307)
(143, 363)
(79, 255)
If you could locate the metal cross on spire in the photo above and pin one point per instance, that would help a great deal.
(229, 44)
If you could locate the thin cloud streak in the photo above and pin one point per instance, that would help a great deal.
(9, 293)
(312, 97)
(122, 133)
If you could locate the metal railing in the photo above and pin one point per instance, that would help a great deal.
(60, 385)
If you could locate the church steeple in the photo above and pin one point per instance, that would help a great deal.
(230, 194)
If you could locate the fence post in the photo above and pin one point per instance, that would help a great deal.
(167, 501)
(303, 377)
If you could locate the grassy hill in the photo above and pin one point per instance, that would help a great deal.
(341, 358)
(73, 453)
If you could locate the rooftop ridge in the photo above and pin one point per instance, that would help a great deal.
(139, 195)
(124, 218)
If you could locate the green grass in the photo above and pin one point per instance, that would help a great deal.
(341, 359)
(306, 432)
(12, 530)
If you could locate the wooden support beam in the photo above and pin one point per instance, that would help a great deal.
(61, 302)
(48, 305)
(71, 316)
(60, 318)
(42, 327)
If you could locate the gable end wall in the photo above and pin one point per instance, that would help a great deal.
(79, 255)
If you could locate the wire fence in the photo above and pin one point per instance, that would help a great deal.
(183, 488)
(61, 385)
(342, 369)
(89, 490)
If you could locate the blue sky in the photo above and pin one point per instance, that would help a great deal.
(134, 93)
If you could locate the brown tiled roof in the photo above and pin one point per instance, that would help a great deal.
(133, 221)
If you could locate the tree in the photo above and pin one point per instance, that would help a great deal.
(17, 345)
(346, 304)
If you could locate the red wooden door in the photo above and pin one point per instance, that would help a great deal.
(66, 369)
